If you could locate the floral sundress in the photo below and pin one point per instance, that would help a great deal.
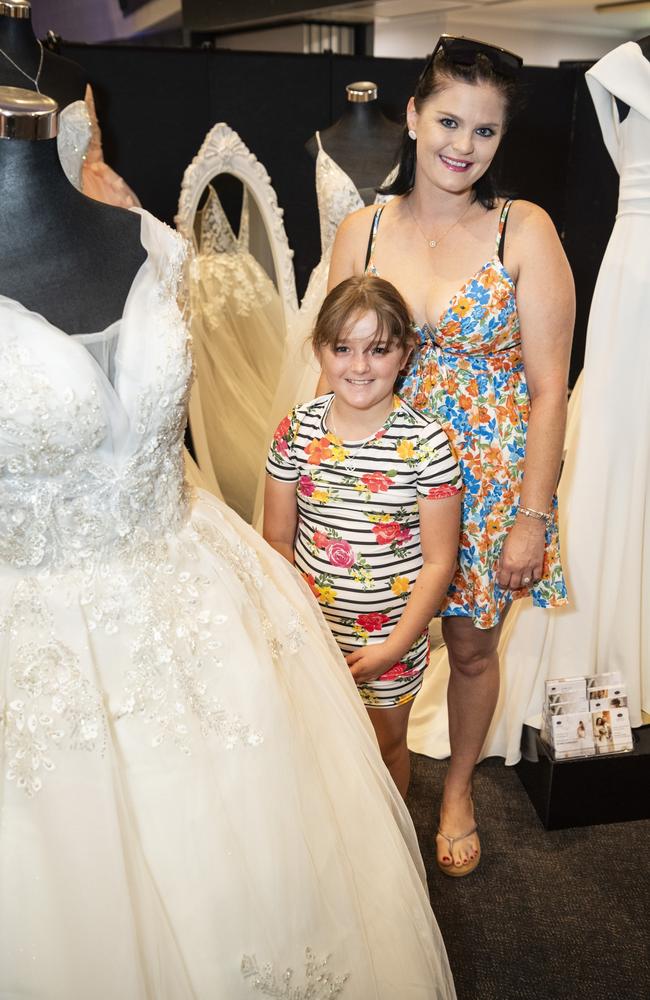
(469, 375)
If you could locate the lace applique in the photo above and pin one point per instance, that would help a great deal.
(319, 983)
(52, 706)
(61, 504)
(337, 197)
(229, 283)
(174, 657)
(217, 235)
(51, 434)
(243, 560)
(73, 140)
(226, 277)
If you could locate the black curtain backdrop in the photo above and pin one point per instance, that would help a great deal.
(156, 105)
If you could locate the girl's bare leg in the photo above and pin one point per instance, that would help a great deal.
(390, 725)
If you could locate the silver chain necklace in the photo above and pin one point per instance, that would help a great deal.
(33, 79)
(350, 463)
(350, 460)
(434, 243)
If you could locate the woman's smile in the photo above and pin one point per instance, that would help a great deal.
(455, 165)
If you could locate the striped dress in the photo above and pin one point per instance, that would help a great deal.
(358, 537)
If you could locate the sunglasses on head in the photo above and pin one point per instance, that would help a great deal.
(463, 52)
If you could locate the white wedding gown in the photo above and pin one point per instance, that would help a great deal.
(604, 489)
(193, 802)
(80, 153)
(337, 197)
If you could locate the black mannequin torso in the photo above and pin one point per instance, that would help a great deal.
(60, 79)
(364, 143)
(623, 108)
(65, 256)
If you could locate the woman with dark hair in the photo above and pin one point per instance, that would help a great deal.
(495, 318)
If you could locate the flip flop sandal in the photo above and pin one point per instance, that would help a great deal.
(457, 871)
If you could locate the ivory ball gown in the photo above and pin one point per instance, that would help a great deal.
(193, 802)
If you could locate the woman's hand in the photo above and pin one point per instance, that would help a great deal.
(522, 557)
(370, 662)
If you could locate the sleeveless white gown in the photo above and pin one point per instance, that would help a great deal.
(605, 484)
(604, 489)
(193, 804)
(337, 197)
(79, 148)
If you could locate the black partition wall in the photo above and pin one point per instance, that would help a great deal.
(156, 105)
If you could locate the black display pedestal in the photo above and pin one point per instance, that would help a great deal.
(587, 790)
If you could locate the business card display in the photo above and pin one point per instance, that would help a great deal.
(586, 716)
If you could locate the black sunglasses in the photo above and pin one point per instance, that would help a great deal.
(463, 52)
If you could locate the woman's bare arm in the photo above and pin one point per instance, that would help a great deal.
(546, 306)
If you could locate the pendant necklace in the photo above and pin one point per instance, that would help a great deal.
(434, 243)
(32, 79)
(351, 463)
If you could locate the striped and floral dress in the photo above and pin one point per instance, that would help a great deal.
(358, 537)
(469, 375)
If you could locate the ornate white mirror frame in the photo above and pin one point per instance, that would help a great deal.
(223, 152)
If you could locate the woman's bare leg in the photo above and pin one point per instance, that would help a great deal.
(471, 700)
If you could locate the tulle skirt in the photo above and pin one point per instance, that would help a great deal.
(194, 805)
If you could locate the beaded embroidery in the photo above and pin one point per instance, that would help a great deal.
(319, 983)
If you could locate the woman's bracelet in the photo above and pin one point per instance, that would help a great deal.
(538, 515)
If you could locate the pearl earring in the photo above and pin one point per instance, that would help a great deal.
(412, 134)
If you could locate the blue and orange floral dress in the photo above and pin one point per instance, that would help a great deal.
(469, 375)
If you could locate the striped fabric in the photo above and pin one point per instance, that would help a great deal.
(358, 537)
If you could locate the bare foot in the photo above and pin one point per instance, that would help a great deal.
(456, 821)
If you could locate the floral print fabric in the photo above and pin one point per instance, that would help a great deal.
(469, 375)
(358, 537)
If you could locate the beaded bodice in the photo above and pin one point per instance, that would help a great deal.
(73, 140)
(91, 453)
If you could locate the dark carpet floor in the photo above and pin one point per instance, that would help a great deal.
(561, 915)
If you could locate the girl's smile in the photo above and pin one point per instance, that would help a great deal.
(361, 369)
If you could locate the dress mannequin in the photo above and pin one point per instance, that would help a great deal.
(52, 238)
(363, 142)
(59, 78)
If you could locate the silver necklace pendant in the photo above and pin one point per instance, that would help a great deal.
(433, 243)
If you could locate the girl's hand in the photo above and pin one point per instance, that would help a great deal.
(522, 557)
(370, 662)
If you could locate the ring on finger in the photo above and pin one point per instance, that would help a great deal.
(525, 579)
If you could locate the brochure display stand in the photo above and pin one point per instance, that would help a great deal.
(585, 716)
(585, 766)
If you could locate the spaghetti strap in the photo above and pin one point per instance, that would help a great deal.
(372, 239)
(501, 231)
(320, 144)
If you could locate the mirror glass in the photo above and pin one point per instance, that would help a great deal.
(238, 334)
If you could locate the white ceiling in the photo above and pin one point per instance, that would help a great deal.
(572, 15)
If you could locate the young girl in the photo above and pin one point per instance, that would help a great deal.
(363, 496)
